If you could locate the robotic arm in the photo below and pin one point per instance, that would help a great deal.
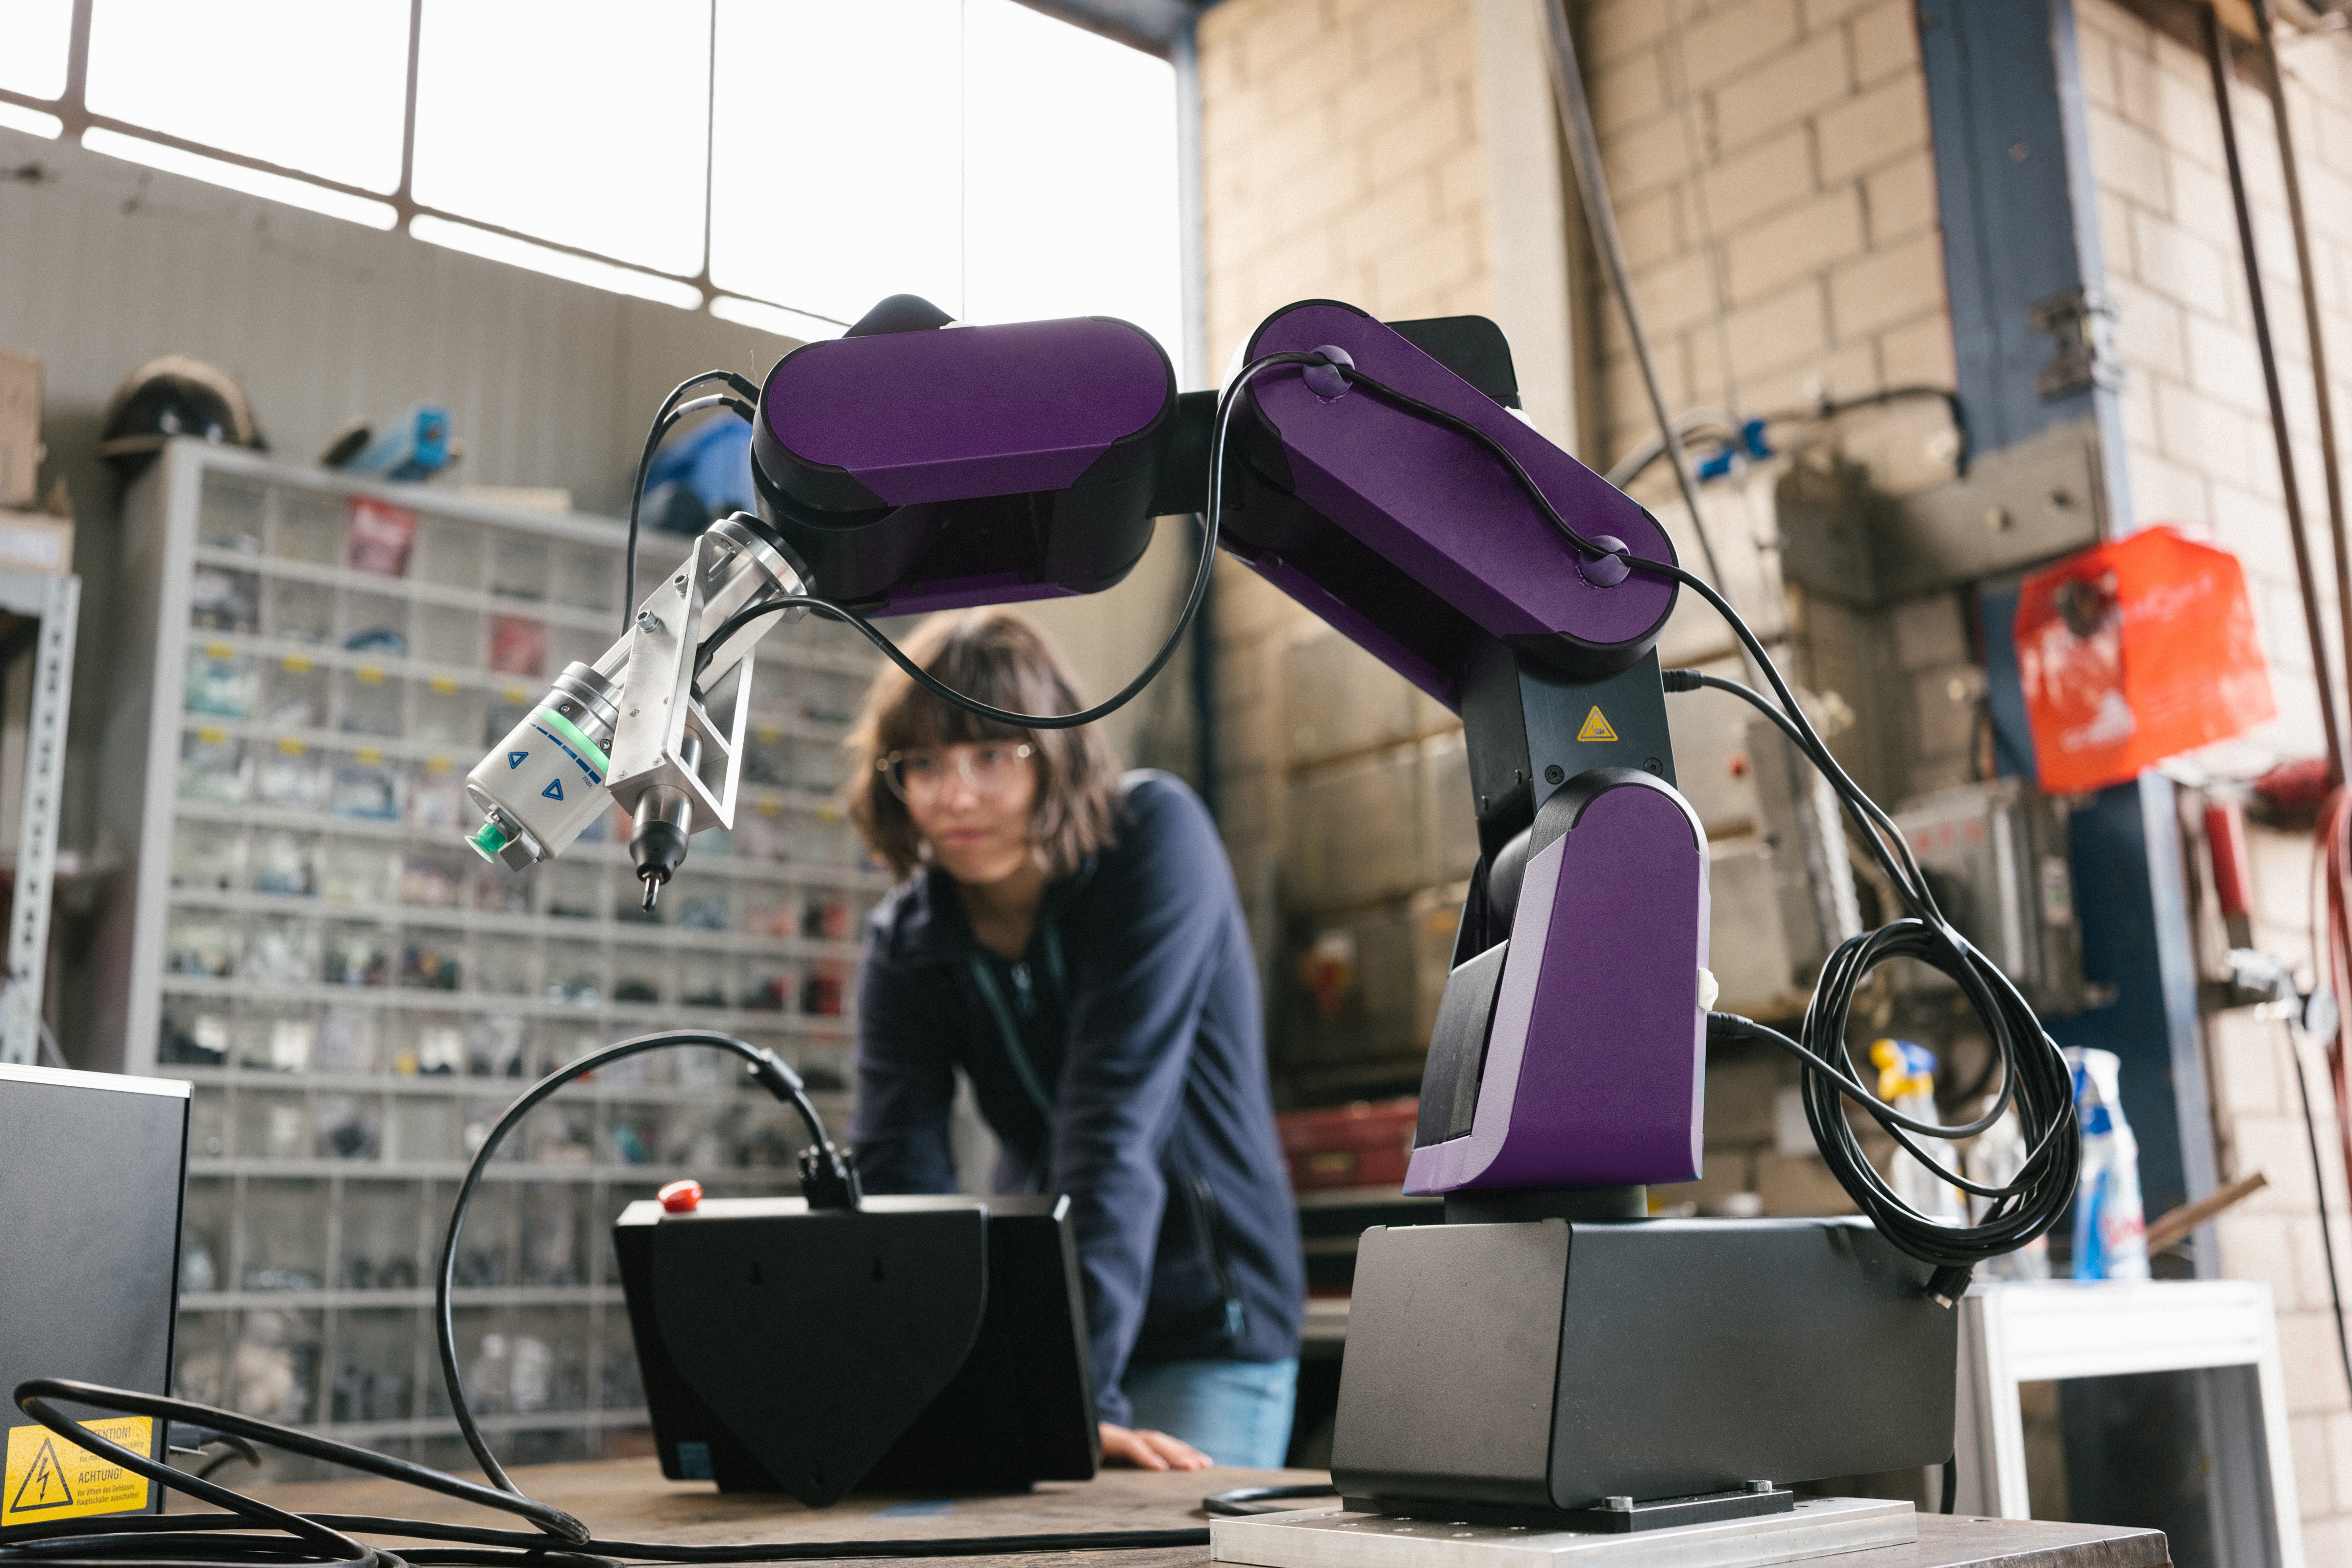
(1376, 473)
(928, 468)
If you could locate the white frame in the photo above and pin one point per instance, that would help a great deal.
(2018, 1333)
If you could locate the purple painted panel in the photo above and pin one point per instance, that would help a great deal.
(969, 411)
(1436, 504)
(1355, 627)
(1596, 1063)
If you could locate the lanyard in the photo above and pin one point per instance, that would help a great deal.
(984, 975)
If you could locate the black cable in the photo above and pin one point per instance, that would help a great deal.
(766, 1066)
(2319, 1187)
(1952, 1484)
(326, 1540)
(932, 684)
(665, 419)
(327, 1544)
(1601, 217)
(1633, 464)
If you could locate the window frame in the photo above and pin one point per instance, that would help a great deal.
(1158, 27)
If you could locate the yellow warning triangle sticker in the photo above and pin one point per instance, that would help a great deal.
(1596, 728)
(45, 1477)
(45, 1486)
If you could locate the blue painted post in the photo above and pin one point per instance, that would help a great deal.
(2022, 242)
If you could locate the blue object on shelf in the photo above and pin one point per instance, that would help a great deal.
(414, 447)
(702, 476)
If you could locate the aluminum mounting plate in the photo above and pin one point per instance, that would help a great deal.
(1332, 1538)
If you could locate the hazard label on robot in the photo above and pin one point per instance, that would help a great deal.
(49, 1477)
(1331, 1537)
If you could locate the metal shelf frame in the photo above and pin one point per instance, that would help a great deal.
(54, 605)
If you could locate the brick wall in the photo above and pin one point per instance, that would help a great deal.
(2200, 450)
(1345, 151)
(1775, 151)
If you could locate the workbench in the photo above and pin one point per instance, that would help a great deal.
(627, 1499)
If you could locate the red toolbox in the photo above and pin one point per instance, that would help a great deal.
(1366, 1144)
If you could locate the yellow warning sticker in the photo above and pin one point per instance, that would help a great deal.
(49, 1477)
(1596, 727)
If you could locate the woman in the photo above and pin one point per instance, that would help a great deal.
(1071, 939)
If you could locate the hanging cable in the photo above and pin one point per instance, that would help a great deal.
(2217, 58)
(2319, 1190)
(1601, 219)
(665, 419)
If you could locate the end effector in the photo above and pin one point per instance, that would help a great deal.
(656, 725)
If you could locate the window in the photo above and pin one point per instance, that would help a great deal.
(581, 122)
(781, 163)
(1069, 194)
(836, 158)
(319, 89)
(38, 32)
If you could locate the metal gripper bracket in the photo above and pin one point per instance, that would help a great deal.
(660, 712)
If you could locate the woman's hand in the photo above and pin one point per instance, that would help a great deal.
(1149, 1451)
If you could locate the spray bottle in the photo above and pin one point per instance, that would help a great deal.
(2110, 1227)
(1907, 1080)
(1993, 1160)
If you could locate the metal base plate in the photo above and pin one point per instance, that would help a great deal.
(1331, 1538)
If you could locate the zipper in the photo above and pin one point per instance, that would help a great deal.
(1208, 1217)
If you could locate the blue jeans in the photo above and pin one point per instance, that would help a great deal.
(1236, 1412)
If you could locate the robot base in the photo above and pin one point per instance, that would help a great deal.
(1335, 1538)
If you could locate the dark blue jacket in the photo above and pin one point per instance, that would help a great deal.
(1138, 1086)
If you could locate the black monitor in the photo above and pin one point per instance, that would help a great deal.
(92, 1170)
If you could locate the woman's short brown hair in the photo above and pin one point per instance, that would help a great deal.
(1002, 660)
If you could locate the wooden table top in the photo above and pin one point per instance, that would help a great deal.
(627, 1499)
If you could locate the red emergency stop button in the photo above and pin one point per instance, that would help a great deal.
(680, 1197)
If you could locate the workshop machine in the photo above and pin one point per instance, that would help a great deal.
(1548, 1356)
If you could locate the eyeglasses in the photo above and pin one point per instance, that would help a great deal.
(989, 768)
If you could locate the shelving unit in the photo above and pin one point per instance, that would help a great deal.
(301, 933)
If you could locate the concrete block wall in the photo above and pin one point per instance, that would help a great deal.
(1771, 154)
(2200, 450)
(1343, 158)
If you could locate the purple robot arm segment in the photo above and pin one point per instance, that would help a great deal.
(1343, 618)
(1434, 503)
(1595, 1066)
(961, 412)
